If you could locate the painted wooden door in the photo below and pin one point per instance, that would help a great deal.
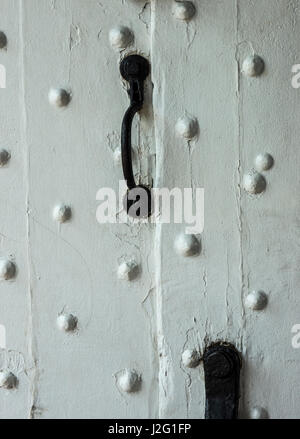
(110, 320)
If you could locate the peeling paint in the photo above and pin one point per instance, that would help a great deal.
(75, 36)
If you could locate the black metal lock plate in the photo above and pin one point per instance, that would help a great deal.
(222, 366)
(138, 201)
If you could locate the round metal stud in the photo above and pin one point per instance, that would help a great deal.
(59, 97)
(3, 40)
(187, 245)
(258, 413)
(183, 10)
(7, 269)
(8, 380)
(62, 213)
(128, 270)
(256, 300)
(129, 381)
(67, 322)
(190, 358)
(264, 162)
(187, 127)
(121, 37)
(254, 182)
(4, 157)
(253, 66)
(220, 364)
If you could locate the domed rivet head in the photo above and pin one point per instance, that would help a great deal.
(62, 213)
(253, 65)
(129, 381)
(219, 364)
(7, 269)
(3, 40)
(187, 127)
(120, 37)
(258, 413)
(8, 380)
(128, 270)
(183, 10)
(66, 322)
(190, 358)
(59, 97)
(256, 300)
(187, 245)
(254, 182)
(4, 157)
(263, 162)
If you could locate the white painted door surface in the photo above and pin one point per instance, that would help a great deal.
(98, 320)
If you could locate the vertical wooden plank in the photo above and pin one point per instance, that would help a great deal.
(74, 265)
(269, 122)
(199, 298)
(14, 293)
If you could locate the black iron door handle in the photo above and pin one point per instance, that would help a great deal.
(134, 69)
(222, 365)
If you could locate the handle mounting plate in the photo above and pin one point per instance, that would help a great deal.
(134, 67)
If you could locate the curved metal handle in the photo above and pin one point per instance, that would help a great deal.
(134, 69)
(126, 144)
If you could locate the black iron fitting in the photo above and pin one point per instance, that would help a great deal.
(136, 93)
(134, 69)
(222, 364)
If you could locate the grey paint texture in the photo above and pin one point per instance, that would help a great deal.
(62, 156)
